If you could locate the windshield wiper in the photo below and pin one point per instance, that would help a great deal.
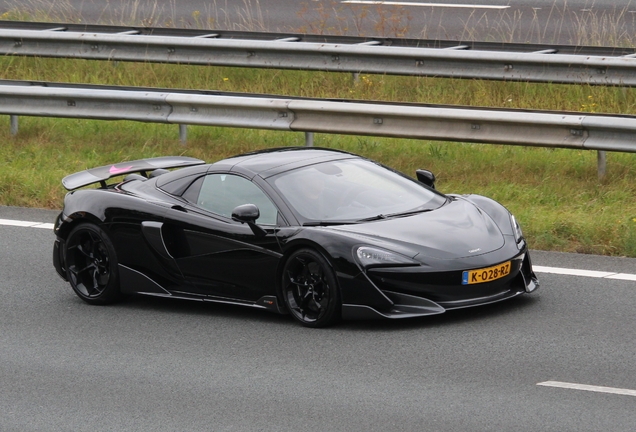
(330, 223)
(393, 215)
(373, 218)
(409, 213)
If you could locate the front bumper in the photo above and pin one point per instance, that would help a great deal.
(411, 293)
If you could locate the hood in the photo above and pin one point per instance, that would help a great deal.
(456, 230)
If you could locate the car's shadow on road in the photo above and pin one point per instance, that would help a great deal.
(516, 306)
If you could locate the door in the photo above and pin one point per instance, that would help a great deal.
(217, 255)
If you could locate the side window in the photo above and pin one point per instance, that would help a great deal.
(192, 193)
(221, 193)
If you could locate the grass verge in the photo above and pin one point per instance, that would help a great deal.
(554, 193)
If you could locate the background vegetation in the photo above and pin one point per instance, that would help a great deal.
(556, 194)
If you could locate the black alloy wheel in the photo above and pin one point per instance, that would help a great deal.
(310, 289)
(91, 265)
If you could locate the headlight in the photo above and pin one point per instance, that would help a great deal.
(372, 256)
(516, 229)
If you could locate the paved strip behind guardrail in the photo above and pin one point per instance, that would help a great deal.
(511, 62)
(435, 122)
(318, 38)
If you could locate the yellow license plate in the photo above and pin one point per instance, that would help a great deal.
(486, 274)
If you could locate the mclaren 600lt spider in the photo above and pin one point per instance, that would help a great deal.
(317, 233)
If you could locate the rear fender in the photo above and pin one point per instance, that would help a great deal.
(64, 224)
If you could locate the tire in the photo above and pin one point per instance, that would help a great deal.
(310, 289)
(91, 265)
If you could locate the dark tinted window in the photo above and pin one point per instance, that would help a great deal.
(352, 190)
(192, 193)
(222, 193)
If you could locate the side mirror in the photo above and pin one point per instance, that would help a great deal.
(426, 177)
(246, 213)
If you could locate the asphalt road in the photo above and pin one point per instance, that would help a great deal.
(540, 21)
(154, 364)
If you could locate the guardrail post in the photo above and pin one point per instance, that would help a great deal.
(183, 133)
(309, 139)
(13, 120)
(602, 163)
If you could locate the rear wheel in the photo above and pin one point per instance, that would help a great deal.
(310, 289)
(91, 265)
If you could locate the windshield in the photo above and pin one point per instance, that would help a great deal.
(352, 190)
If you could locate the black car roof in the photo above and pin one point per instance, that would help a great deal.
(267, 163)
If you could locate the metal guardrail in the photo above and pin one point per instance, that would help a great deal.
(481, 60)
(434, 122)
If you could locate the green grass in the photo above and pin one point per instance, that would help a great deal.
(554, 193)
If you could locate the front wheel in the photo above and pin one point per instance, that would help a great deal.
(310, 289)
(91, 265)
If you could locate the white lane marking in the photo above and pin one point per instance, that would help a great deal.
(584, 273)
(572, 272)
(401, 3)
(623, 276)
(19, 223)
(44, 226)
(598, 389)
(16, 223)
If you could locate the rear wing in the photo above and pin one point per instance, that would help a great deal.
(101, 174)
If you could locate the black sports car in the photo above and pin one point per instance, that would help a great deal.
(319, 233)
